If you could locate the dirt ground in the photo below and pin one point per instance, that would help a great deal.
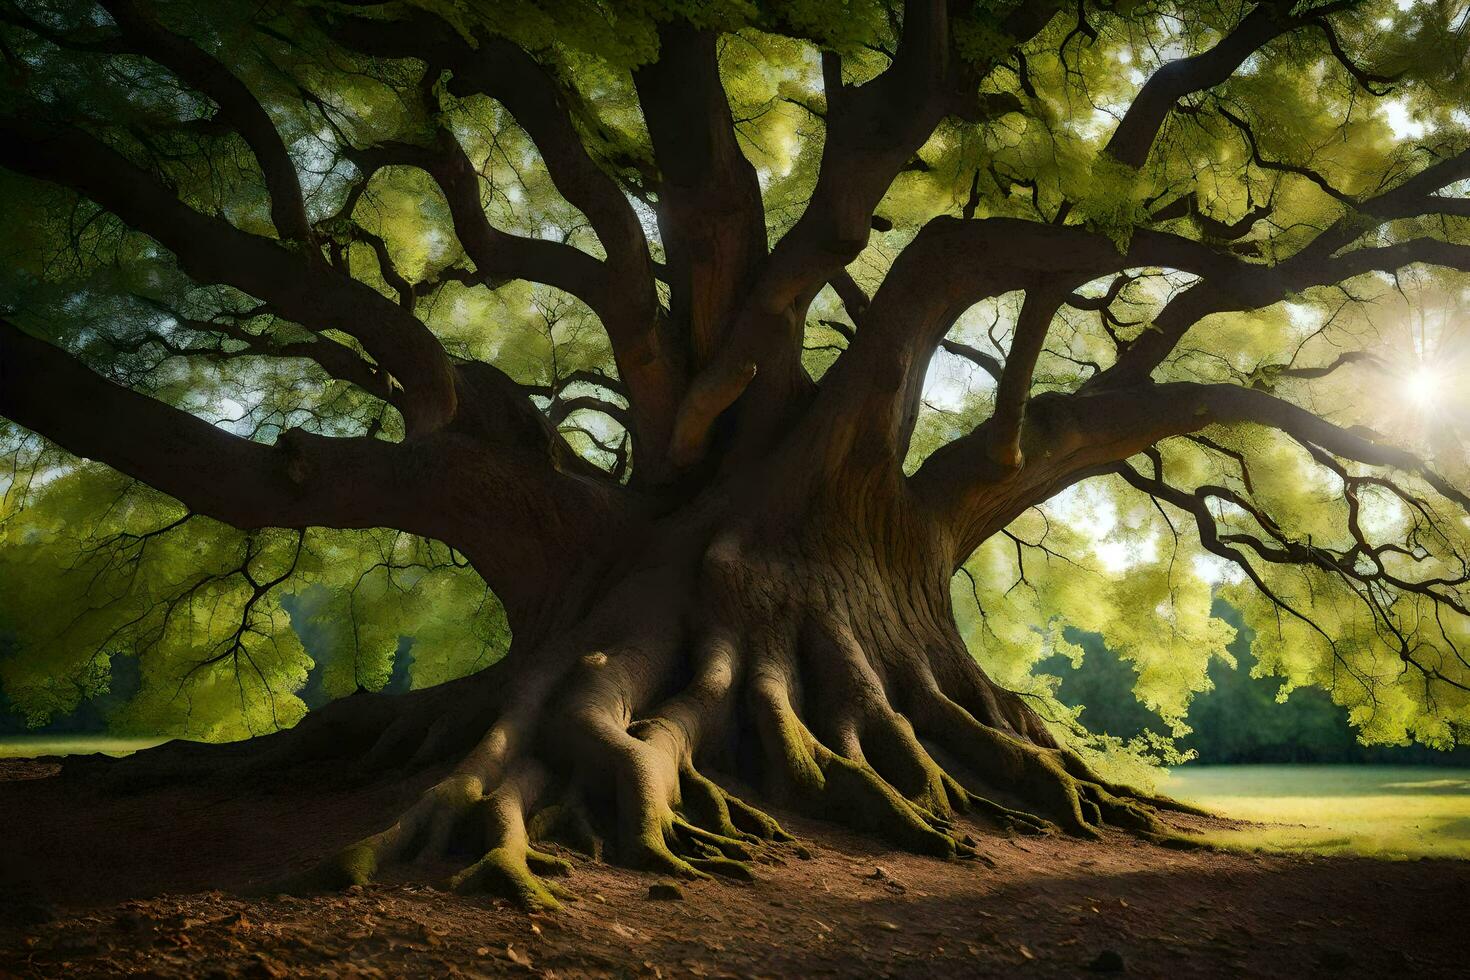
(167, 883)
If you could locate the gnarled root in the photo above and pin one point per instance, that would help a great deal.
(597, 753)
(576, 770)
(710, 832)
(844, 788)
(1052, 780)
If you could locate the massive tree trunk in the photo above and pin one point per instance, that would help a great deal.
(794, 635)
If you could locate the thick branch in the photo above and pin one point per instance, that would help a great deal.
(586, 376)
(712, 222)
(1032, 325)
(873, 130)
(985, 362)
(1225, 231)
(1134, 137)
(711, 394)
(497, 255)
(506, 73)
(1250, 287)
(948, 267)
(709, 205)
(302, 481)
(854, 300)
(1243, 286)
(211, 250)
(1068, 437)
(510, 510)
(237, 107)
(564, 407)
(622, 290)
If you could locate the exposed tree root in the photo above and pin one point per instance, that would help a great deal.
(603, 740)
(708, 832)
(568, 761)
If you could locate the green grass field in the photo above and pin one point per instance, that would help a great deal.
(30, 746)
(1383, 811)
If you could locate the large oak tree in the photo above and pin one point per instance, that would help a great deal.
(716, 338)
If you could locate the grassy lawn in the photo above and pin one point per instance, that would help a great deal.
(30, 746)
(1382, 811)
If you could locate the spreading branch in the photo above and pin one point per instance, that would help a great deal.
(1134, 138)
(620, 289)
(431, 485)
(1360, 569)
(301, 481)
(237, 106)
(211, 250)
(1070, 437)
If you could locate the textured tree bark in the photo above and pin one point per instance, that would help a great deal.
(796, 637)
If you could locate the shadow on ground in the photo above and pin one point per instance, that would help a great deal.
(104, 884)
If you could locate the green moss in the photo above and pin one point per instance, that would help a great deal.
(354, 866)
(505, 872)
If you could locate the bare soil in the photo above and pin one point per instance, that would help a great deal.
(175, 882)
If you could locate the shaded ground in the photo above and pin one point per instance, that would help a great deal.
(77, 871)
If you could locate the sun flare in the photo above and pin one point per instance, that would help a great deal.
(1424, 387)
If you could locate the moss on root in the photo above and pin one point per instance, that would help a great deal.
(518, 873)
(585, 772)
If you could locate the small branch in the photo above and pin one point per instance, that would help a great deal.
(1364, 78)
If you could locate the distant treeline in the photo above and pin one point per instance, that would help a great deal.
(1239, 721)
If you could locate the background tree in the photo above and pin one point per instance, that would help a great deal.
(566, 293)
(1242, 717)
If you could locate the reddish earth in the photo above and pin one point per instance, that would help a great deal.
(168, 883)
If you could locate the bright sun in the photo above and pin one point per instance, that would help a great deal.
(1424, 386)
